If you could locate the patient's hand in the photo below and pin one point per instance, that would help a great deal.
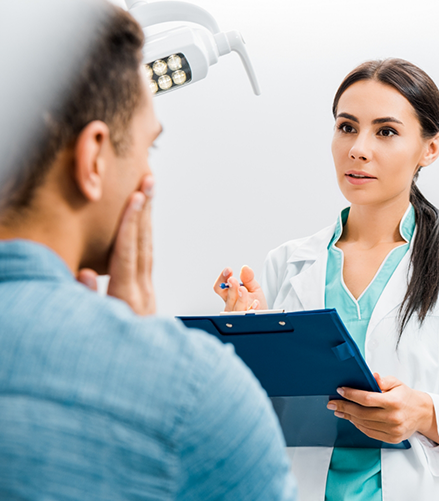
(130, 265)
(240, 298)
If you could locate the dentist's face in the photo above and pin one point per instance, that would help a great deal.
(377, 145)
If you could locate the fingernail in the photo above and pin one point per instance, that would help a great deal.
(88, 282)
(149, 191)
(340, 391)
(148, 187)
(254, 305)
(138, 203)
(331, 407)
(239, 293)
(338, 414)
(226, 272)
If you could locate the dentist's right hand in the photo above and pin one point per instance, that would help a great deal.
(249, 296)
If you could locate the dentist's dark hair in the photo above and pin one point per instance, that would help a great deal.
(422, 93)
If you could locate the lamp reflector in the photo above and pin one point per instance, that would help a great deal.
(168, 72)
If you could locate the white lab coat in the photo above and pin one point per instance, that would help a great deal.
(294, 279)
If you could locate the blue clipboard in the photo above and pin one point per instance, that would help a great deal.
(300, 359)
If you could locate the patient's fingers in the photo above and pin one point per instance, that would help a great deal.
(145, 251)
(88, 277)
(145, 248)
(123, 262)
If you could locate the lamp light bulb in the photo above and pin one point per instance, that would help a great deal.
(148, 71)
(153, 86)
(165, 82)
(160, 67)
(179, 77)
(174, 62)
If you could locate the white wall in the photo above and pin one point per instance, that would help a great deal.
(238, 174)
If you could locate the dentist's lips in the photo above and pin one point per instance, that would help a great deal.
(359, 177)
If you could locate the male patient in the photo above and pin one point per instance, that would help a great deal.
(98, 400)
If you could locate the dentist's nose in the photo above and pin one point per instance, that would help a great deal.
(360, 150)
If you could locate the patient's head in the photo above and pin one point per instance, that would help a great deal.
(93, 149)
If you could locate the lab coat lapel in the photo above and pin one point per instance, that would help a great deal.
(309, 284)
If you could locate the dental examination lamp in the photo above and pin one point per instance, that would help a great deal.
(180, 56)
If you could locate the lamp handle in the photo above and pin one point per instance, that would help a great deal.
(233, 41)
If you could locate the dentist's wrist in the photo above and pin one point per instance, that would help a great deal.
(427, 416)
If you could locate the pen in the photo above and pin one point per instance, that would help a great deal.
(226, 286)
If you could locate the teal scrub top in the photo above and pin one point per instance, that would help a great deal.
(355, 474)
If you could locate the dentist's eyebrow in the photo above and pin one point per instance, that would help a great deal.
(376, 121)
(348, 116)
(385, 120)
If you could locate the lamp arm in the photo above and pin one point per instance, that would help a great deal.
(130, 3)
(148, 14)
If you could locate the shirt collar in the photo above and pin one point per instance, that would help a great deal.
(406, 226)
(25, 260)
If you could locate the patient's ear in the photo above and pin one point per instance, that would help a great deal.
(92, 151)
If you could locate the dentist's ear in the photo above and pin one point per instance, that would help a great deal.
(90, 154)
(431, 151)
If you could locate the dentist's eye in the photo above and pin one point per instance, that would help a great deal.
(346, 128)
(387, 132)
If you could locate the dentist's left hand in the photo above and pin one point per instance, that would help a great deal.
(391, 416)
(130, 266)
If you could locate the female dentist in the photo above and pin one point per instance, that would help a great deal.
(378, 265)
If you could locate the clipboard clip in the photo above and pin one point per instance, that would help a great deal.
(251, 312)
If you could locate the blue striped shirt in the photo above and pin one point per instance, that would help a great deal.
(98, 403)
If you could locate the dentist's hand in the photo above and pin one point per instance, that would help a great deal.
(391, 416)
(240, 298)
(130, 266)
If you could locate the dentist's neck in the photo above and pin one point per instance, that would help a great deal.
(374, 224)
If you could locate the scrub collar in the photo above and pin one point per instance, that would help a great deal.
(406, 226)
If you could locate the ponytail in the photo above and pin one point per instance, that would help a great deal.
(423, 288)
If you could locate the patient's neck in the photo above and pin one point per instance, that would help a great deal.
(54, 229)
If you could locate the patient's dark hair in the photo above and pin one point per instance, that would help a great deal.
(422, 93)
(107, 87)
